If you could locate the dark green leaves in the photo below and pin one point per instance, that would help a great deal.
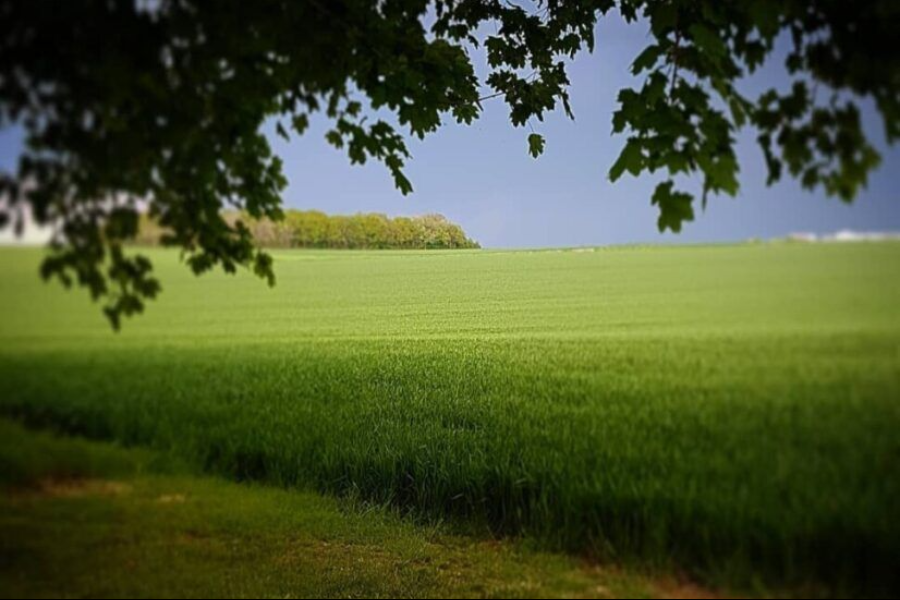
(663, 17)
(535, 144)
(300, 123)
(647, 59)
(721, 172)
(631, 159)
(684, 117)
(822, 146)
(707, 41)
(674, 207)
(403, 184)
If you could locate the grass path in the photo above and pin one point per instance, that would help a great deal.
(87, 519)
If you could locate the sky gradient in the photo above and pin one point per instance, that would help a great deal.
(482, 177)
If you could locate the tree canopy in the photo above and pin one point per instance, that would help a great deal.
(160, 104)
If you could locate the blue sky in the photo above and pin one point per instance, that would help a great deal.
(482, 177)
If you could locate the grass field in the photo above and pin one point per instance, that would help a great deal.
(731, 411)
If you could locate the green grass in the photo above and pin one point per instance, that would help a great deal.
(81, 519)
(732, 411)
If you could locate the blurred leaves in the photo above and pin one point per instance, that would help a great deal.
(684, 117)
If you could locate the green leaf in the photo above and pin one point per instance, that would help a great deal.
(674, 207)
(707, 41)
(646, 59)
(301, 123)
(631, 159)
(535, 144)
(738, 112)
(402, 183)
(280, 130)
(334, 138)
(663, 17)
(722, 174)
(353, 108)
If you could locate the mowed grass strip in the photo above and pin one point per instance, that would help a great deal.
(91, 520)
(731, 410)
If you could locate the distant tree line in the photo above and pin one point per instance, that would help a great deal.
(315, 229)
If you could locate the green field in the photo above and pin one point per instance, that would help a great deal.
(728, 411)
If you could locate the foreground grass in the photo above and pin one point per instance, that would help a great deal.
(81, 519)
(731, 411)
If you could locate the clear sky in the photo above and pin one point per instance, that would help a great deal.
(482, 177)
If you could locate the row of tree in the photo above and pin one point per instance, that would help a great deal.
(315, 229)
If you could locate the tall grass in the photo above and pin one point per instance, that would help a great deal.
(729, 410)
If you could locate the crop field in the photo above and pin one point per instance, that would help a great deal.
(732, 412)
